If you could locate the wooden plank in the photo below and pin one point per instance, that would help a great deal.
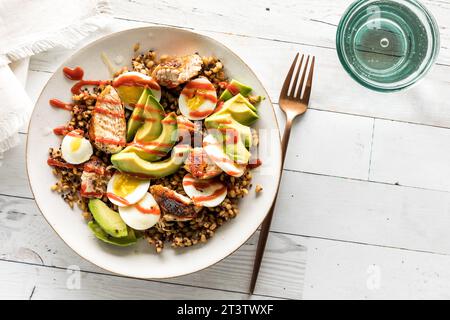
(335, 270)
(312, 22)
(360, 211)
(330, 143)
(333, 90)
(21, 281)
(13, 172)
(411, 155)
(384, 214)
(26, 237)
(339, 270)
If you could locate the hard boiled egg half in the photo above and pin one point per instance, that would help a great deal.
(198, 99)
(125, 190)
(142, 215)
(130, 85)
(207, 193)
(76, 149)
(215, 152)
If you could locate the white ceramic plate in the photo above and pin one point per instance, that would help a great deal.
(141, 261)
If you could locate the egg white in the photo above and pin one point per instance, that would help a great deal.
(131, 198)
(82, 154)
(214, 150)
(205, 106)
(156, 93)
(211, 187)
(138, 220)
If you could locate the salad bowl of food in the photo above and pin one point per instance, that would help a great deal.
(154, 152)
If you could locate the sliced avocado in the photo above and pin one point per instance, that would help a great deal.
(158, 148)
(226, 121)
(233, 88)
(130, 162)
(153, 113)
(109, 220)
(136, 119)
(237, 151)
(129, 240)
(240, 109)
(234, 149)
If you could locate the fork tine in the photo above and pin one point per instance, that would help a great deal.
(302, 80)
(287, 81)
(307, 94)
(294, 85)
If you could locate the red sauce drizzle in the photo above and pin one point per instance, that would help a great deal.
(117, 198)
(234, 90)
(199, 86)
(152, 210)
(193, 87)
(76, 133)
(214, 195)
(109, 101)
(73, 74)
(56, 163)
(199, 185)
(152, 109)
(135, 81)
(200, 114)
(114, 114)
(187, 124)
(169, 121)
(121, 142)
(76, 89)
(62, 130)
(207, 96)
(89, 194)
(61, 105)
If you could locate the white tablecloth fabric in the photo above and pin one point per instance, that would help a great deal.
(28, 27)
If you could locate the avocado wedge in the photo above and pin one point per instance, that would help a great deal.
(131, 163)
(240, 109)
(152, 115)
(129, 240)
(137, 119)
(233, 88)
(109, 220)
(232, 144)
(224, 122)
(158, 148)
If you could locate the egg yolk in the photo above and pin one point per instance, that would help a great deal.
(124, 184)
(195, 102)
(75, 144)
(129, 94)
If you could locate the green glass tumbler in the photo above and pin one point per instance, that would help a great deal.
(387, 45)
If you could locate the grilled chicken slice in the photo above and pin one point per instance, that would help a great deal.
(95, 178)
(174, 206)
(175, 71)
(200, 165)
(107, 128)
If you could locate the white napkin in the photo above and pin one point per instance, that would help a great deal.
(28, 27)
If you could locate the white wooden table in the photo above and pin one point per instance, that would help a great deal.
(364, 210)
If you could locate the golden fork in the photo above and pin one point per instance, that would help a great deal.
(293, 103)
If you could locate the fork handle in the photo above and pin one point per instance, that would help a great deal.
(265, 226)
